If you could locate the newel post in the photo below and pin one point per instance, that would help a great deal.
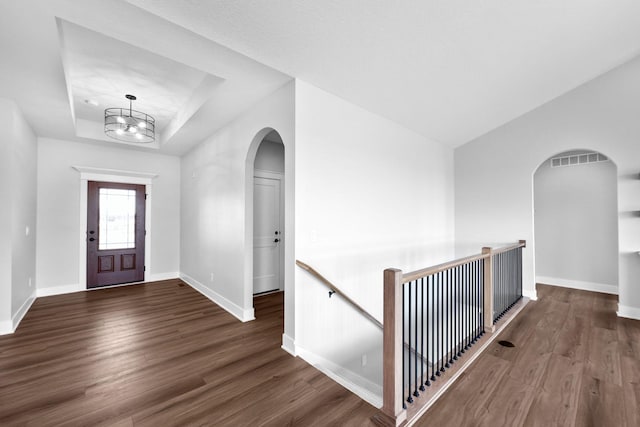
(488, 290)
(393, 348)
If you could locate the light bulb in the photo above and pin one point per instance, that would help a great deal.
(142, 125)
(132, 129)
(120, 119)
(119, 131)
(139, 135)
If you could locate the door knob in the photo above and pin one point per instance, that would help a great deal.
(276, 240)
(91, 239)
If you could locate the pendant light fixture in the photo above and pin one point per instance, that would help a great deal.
(129, 125)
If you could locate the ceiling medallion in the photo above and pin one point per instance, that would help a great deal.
(129, 125)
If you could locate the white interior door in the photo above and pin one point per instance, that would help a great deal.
(266, 235)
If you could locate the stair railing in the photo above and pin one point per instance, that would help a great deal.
(441, 311)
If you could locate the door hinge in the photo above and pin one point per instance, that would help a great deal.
(145, 196)
(144, 268)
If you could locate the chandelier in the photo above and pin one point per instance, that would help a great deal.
(129, 125)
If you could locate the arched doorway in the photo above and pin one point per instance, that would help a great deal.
(268, 215)
(286, 234)
(576, 221)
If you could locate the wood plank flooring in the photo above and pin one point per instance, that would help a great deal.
(575, 363)
(161, 354)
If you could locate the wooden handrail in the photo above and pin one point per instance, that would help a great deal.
(418, 274)
(414, 275)
(520, 244)
(364, 312)
(337, 290)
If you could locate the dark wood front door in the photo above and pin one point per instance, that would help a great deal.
(115, 233)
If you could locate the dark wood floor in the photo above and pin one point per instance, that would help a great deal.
(161, 354)
(575, 363)
(157, 355)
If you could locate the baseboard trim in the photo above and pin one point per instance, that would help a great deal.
(232, 308)
(628, 312)
(10, 326)
(68, 289)
(532, 295)
(578, 284)
(158, 277)
(24, 308)
(362, 387)
(6, 327)
(58, 290)
(289, 345)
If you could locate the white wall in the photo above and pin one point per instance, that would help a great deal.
(18, 211)
(217, 206)
(270, 157)
(370, 195)
(494, 173)
(6, 117)
(23, 185)
(58, 249)
(576, 225)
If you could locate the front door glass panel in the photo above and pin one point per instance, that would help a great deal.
(117, 220)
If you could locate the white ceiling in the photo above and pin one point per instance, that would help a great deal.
(449, 69)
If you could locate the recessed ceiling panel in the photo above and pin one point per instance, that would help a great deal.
(100, 70)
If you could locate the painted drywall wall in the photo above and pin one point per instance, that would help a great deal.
(576, 225)
(494, 173)
(6, 119)
(58, 249)
(23, 223)
(270, 157)
(370, 195)
(17, 212)
(217, 206)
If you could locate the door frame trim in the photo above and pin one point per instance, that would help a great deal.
(120, 176)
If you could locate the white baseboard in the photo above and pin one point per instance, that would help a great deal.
(365, 389)
(10, 326)
(577, 284)
(68, 289)
(24, 308)
(234, 309)
(532, 295)
(628, 312)
(6, 327)
(58, 290)
(162, 276)
(289, 345)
